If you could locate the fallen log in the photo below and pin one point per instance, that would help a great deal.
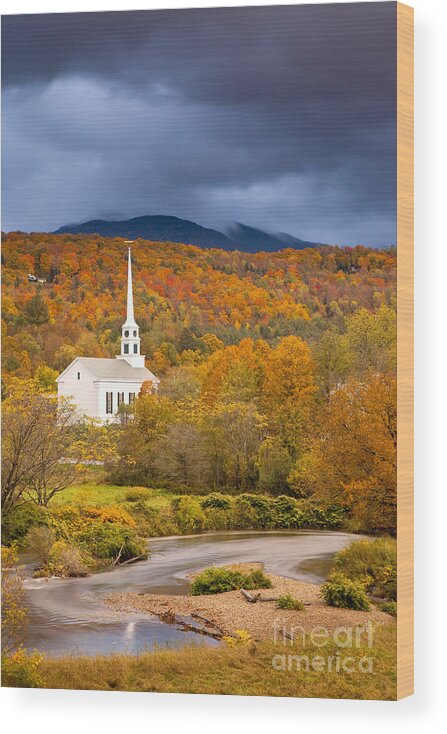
(253, 598)
(116, 561)
(134, 560)
(186, 627)
(207, 622)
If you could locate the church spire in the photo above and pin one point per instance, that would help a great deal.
(130, 320)
(130, 336)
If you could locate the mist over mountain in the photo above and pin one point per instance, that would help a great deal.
(250, 239)
(160, 228)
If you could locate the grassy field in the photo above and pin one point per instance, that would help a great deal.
(98, 494)
(239, 670)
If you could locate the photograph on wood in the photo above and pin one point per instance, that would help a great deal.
(207, 308)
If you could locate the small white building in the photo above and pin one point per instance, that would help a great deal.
(99, 386)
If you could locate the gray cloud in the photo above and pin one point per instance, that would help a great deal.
(280, 117)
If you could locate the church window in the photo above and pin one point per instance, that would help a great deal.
(126, 349)
(131, 397)
(79, 375)
(126, 333)
(135, 348)
(134, 333)
(109, 402)
(120, 397)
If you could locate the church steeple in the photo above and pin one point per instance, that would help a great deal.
(130, 320)
(130, 332)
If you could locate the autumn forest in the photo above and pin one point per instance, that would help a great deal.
(278, 370)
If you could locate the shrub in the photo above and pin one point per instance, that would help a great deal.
(341, 591)
(76, 520)
(216, 501)
(287, 601)
(240, 637)
(285, 512)
(256, 580)
(20, 670)
(110, 542)
(386, 582)
(244, 515)
(189, 514)
(40, 540)
(389, 607)
(108, 514)
(16, 523)
(218, 519)
(136, 494)
(218, 580)
(66, 560)
(151, 521)
(253, 511)
(374, 560)
(14, 616)
(321, 516)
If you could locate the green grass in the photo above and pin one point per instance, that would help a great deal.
(372, 562)
(110, 494)
(239, 670)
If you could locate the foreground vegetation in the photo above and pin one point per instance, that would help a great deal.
(372, 563)
(364, 567)
(243, 669)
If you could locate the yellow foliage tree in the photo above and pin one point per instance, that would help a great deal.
(357, 451)
(289, 389)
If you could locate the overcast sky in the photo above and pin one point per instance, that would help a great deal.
(282, 118)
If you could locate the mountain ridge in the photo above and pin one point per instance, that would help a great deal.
(164, 228)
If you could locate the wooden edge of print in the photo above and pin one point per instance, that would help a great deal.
(405, 348)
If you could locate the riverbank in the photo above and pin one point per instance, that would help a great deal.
(248, 670)
(91, 526)
(107, 648)
(230, 611)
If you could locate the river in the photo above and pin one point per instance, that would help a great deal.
(68, 616)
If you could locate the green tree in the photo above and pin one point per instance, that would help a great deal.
(180, 456)
(240, 429)
(36, 311)
(274, 464)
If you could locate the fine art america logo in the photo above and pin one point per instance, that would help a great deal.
(323, 650)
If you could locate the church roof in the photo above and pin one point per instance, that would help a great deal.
(116, 369)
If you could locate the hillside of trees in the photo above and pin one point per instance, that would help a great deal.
(278, 369)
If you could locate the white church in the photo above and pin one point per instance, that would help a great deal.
(99, 386)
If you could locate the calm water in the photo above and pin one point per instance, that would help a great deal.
(68, 616)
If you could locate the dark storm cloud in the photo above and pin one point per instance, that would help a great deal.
(280, 117)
